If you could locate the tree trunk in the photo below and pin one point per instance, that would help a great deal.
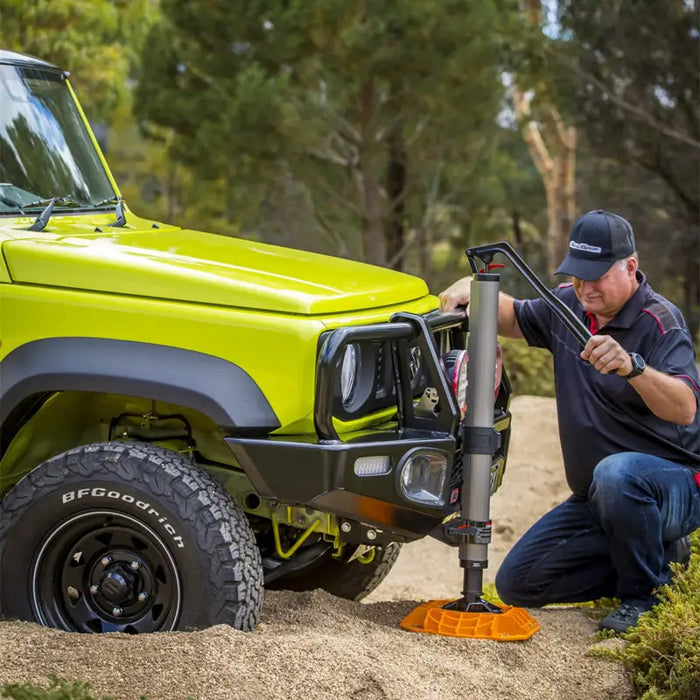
(372, 231)
(566, 186)
(556, 164)
(555, 161)
(373, 243)
(396, 194)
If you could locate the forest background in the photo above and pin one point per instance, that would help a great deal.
(397, 132)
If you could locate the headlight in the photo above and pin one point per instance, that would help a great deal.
(348, 373)
(422, 475)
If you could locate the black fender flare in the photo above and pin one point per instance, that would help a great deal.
(217, 388)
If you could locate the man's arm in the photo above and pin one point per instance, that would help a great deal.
(667, 397)
(458, 294)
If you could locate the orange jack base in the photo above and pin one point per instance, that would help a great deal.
(513, 624)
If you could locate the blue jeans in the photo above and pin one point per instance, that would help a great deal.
(614, 543)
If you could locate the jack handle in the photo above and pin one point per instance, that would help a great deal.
(486, 252)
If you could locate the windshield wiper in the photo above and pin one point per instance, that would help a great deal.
(43, 218)
(119, 213)
(105, 202)
(118, 209)
(61, 201)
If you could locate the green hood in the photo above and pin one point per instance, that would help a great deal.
(190, 266)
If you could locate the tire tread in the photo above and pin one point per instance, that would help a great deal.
(221, 529)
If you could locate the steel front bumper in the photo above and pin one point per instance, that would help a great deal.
(323, 474)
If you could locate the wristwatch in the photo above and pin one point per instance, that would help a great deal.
(638, 366)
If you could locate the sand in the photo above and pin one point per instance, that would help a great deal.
(317, 646)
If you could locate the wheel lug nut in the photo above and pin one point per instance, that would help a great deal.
(142, 596)
(94, 589)
(116, 612)
(105, 561)
(135, 565)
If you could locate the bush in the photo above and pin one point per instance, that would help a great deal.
(663, 650)
(58, 689)
(530, 370)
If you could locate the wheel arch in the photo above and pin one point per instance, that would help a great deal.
(58, 393)
(49, 424)
(211, 385)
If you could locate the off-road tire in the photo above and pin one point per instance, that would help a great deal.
(351, 580)
(126, 537)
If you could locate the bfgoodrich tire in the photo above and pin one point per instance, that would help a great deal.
(353, 580)
(126, 537)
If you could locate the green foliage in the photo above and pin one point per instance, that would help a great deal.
(529, 369)
(57, 689)
(96, 40)
(491, 594)
(663, 649)
(375, 125)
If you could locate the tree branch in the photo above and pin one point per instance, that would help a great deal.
(627, 106)
(538, 150)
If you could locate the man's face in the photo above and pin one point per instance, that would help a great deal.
(609, 293)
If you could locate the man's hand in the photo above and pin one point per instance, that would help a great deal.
(666, 396)
(606, 355)
(457, 294)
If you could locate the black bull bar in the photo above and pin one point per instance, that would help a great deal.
(320, 473)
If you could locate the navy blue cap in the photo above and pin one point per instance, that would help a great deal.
(596, 241)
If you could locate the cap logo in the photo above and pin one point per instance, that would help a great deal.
(585, 247)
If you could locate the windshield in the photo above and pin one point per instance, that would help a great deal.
(45, 150)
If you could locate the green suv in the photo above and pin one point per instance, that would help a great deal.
(187, 418)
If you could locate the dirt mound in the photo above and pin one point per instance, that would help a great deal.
(317, 646)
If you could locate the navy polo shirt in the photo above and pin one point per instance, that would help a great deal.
(600, 415)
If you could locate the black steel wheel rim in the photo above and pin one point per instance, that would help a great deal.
(105, 571)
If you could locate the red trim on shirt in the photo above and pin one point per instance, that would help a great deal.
(689, 378)
(656, 318)
(592, 323)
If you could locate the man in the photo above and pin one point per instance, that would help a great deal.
(629, 427)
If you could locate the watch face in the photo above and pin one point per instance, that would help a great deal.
(638, 364)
